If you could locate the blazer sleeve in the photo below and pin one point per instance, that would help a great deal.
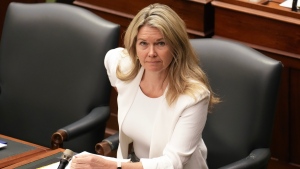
(111, 62)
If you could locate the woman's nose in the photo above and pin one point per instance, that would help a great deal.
(152, 52)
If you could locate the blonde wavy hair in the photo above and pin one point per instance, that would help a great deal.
(184, 76)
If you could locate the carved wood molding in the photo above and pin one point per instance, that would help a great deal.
(256, 12)
(106, 10)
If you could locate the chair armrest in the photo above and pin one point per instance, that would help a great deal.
(108, 145)
(87, 123)
(258, 158)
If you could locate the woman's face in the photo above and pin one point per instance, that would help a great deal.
(152, 50)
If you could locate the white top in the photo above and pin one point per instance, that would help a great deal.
(176, 139)
(138, 124)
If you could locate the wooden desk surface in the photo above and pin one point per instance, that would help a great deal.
(11, 155)
(268, 27)
(39, 160)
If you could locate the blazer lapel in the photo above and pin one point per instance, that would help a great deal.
(127, 94)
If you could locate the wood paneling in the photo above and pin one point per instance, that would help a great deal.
(275, 164)
(261, 28)
(295, 115)
(197, 14)
(274, 31)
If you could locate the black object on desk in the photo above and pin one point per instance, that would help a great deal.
(294, 5)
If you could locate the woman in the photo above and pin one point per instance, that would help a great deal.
(163, 95)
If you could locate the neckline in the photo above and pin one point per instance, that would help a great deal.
(164, 93)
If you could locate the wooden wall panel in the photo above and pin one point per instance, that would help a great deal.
(295, 115)
(271, 32)
(198, 14)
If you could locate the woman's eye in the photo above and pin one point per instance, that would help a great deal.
(143, 43)
(161, 43)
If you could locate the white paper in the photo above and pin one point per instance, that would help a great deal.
(288, 4)
(55, 165)
(105, 157)
(51, 166)
(2, 145)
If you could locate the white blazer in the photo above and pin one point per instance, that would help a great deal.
(165, 123)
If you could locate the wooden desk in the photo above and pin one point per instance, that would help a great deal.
(18, 150)
(44, 159)
(197, 14)
(265, 25)
(274, 31)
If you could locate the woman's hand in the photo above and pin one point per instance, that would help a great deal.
(91, 161)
